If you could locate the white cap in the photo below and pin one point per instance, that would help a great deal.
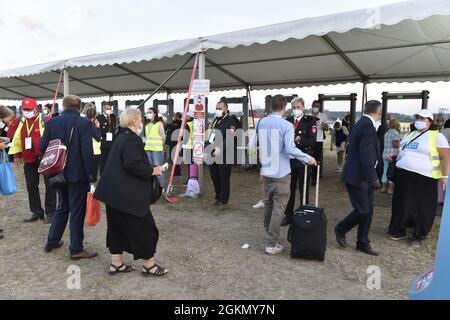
(191, 113)
(425, 113)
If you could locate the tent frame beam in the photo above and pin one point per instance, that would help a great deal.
(228, 73)
(344, 57)
(140, 76)
(34, 84)
(72, 78)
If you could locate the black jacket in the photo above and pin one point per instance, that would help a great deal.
(125, 184)
(363, 154)
(171, 128)
(105, 127)
(306, 129)
(221, 126)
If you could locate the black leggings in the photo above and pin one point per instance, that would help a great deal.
(414, 203)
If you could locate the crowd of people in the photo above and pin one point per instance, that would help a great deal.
(128, 152)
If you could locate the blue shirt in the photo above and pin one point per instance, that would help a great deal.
(276, 146)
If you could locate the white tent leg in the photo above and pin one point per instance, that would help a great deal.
(66, 82)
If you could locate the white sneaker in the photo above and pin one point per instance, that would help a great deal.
(259, 205)
(339, 170)
(274, 250)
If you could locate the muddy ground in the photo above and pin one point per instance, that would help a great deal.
(203, 250)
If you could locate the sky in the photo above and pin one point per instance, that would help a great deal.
(33, 32)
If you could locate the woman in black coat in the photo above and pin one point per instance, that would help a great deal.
(125, 188)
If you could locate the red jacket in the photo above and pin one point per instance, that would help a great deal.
(31, 155)
(12, 127)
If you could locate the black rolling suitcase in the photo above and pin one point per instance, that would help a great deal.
(308, 231)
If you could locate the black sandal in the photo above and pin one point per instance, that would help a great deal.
(159, 272)
(117, 270)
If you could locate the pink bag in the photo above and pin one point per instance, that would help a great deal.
(54, 159)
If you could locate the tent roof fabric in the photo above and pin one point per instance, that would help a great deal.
(407, 41)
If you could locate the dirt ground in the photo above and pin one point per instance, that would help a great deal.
(203, 250)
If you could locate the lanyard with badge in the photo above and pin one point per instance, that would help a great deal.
(28, 138)
(212, 137)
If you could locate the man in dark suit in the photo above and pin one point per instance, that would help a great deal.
(108, 123)
(360, 177)
(80, 172)
(305, 140)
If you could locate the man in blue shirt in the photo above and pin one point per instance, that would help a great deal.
(275, 137)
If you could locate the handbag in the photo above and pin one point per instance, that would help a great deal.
(392, 167)
(156, 191)
(8, 184)
(55, 160)
(92, 210)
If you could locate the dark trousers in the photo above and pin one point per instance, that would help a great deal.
(72, 201)
(361, 216)
(32, 178)
(414, 203)
(103, 158)
(177, 167)
(297, 177)
(318, 155)
(220, 175)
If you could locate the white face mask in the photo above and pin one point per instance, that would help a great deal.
(420, 125)
(108, 112)
(46, 112)
(297, 113)
(377, 125)
(28, 114)
(219, 113)
(2, 124)
(315, 110)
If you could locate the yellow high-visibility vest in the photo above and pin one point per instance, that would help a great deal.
(17, 140)
(153, 141)
(97, 147)
(434, 155)
(190, 144)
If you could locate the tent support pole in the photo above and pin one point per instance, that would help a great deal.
(364, 97)
(201, 76)
(66, 82)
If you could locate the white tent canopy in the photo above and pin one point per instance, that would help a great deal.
(408, 41)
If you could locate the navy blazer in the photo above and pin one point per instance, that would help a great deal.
(363, 154)
(81, 165)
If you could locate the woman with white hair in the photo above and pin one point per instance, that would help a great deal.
(125, 188)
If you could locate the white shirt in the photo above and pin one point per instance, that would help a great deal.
(322, 119)
(416, 156)
(373, 121)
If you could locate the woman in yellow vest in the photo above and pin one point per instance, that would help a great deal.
(155, 137)
(90, 112)
(423, 160)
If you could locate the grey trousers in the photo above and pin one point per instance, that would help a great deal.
(276, 197)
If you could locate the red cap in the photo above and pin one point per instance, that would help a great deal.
(29, 104)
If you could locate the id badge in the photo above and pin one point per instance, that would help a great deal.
(212, 138)
(109, 136)
(28, 143)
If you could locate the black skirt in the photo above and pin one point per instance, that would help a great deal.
(414, 203)
(128, 233)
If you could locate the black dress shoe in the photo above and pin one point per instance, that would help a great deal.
(340, 238)
(368, 250)
(50, 248)
(1, 235)
(34, 217)
(286, 221)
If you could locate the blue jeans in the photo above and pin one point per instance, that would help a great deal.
(385, 179)
(157, 159)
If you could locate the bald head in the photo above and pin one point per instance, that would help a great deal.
(72, 102)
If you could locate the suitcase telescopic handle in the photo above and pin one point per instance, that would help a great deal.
(305, 185)
(316, 203)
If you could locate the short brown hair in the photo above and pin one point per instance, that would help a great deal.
(5, 112)
(72, 102)
(278, 103)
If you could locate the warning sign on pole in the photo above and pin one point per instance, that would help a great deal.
(199, 128)
(200, 88)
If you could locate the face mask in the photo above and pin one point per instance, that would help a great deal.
(2, 124)
(420, 125)
(377, 125)
(297, 113)
(219, 114)
(150, 116)
(315, 110)
(108, 112)
(46, 112)
(28, 114)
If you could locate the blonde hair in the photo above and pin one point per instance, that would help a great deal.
(394, 124)
(128, 116)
